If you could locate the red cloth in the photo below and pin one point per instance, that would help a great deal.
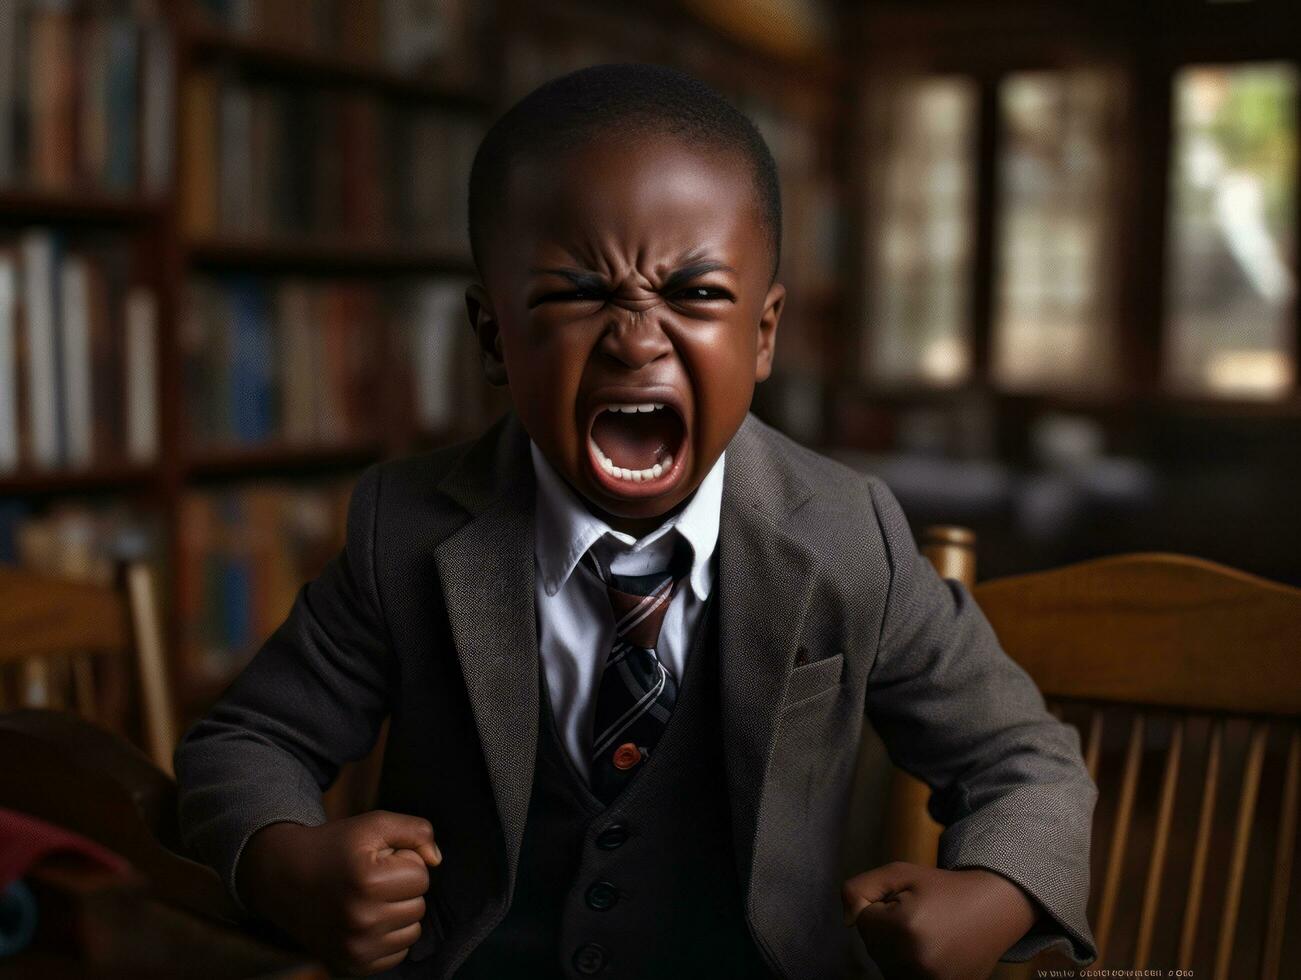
(25, 840)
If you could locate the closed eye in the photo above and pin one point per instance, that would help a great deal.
(569, 296)
(696, 294)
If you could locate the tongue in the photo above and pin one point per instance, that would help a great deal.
(635, 441)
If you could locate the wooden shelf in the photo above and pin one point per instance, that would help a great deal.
(35, 205)
(97, 479)
(323, 257)
(288, 62)
(279, 459)
(166, 256)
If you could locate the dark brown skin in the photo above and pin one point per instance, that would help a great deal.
(351, 891)
(933, 924)
(630, 214)
(630, 217)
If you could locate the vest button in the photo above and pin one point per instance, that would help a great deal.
(589, 958)
(612, 836)
(602, 896)
(626, 756)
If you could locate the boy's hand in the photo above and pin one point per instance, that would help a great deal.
(351, 891)
(920, 922)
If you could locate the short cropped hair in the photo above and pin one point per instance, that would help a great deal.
(567, 111)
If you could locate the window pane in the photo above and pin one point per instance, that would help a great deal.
(1055, 305)
(921, 188)
(1232, 246)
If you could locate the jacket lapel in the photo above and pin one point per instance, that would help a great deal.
(487, 573)
(765, 579)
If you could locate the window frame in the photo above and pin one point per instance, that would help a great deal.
(1148, 49)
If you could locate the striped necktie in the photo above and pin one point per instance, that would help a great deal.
(637, 693)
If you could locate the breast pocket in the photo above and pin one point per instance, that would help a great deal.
(814, 678)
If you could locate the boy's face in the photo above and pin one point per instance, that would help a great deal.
(629, 274)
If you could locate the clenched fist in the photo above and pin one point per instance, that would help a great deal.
(920, 922)
(351, 891)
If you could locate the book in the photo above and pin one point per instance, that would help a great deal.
(40, 307)
(158, 107)
(74, 361)
(141, 383)
(8, 362)
(13, 49)
(52, 94)
(436, 326)
(199, 153)
(121, 106)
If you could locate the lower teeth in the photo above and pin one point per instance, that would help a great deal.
(662, 466)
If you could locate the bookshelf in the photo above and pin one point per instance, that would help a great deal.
(191, 490)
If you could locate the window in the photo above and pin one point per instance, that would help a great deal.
(1067, 215)
(1232, 268)
(921, 208)
(1055, 307)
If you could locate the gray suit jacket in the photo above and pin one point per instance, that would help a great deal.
(427, 615)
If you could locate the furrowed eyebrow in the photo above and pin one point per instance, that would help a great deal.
(579, 278)
(594, 282)
(686, 273)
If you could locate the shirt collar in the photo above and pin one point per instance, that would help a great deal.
(566, 528)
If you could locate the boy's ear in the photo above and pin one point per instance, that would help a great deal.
(484, 325)
(772, 311)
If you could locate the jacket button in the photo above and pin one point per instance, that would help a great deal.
(626, 756)
(602, 895)
(801, 657)
(612, 836)
(589, 958)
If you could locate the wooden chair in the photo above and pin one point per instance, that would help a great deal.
(172, 911)
(1182, 676)
(66, 644)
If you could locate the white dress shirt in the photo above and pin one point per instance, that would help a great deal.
(575, 621)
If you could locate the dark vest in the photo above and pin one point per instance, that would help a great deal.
(646, 887)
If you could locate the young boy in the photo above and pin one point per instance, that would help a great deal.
(627, 639)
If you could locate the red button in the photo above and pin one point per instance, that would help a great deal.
(626, 756)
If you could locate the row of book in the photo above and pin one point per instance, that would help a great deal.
(272, 160)
(428, 39)
(86, 97)
(78, 354)
(311, 362)
(77, 541)
(244, 553)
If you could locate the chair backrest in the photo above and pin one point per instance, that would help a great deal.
(1182, 677)
(67, 644)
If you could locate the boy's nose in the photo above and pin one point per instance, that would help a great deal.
(634, 337)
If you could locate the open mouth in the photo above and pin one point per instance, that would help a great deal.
(637, 448)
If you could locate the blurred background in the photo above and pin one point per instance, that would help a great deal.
(1040, 260)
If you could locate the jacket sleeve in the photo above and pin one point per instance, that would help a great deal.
(313, 697)
(1008, 781)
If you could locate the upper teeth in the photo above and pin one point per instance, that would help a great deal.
(646, 407)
